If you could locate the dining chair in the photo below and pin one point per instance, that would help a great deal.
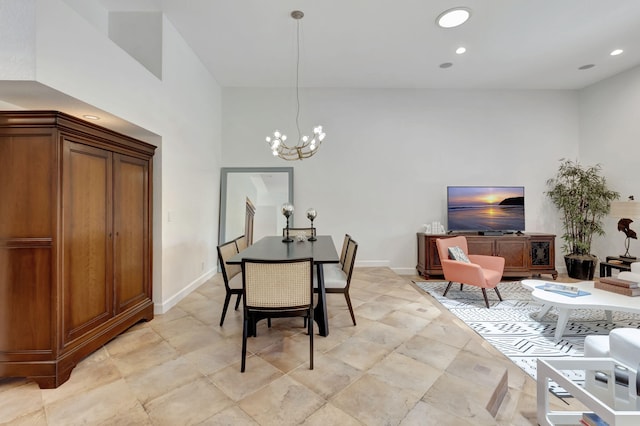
(275, 289)
(338, 280)
(345, 244)
(294, 232)
(241, 243)
(473, 269)
(230, 274)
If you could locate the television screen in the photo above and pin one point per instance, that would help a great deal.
(485, 208)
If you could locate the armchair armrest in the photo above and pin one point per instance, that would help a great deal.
(495, 263)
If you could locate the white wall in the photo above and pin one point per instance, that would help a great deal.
(77, 58)
(610, 135)
(389, 154)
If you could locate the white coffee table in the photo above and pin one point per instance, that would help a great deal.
(598, 299)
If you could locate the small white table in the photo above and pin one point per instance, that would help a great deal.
(598, 299)
(551, 369)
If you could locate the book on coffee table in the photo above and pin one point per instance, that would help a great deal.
(617, 289)
(619, 282)
(561, 288)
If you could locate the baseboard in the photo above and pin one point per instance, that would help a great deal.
(371, 263)
(161, 308)
(405, 271)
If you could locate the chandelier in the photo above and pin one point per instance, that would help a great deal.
(306, 145)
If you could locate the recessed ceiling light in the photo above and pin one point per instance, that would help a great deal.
(91, 117)
(453, 17)
(616, 52)
(460, 50)
(586, 67)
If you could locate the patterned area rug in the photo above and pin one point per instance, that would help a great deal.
(509, 327)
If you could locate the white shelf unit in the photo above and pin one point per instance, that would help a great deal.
(551, 369)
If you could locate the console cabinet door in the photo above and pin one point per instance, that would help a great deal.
(481, 245)
(131, 220)
(87, 295)
(516, 254)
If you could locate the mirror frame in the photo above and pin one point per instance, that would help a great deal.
(224, 173)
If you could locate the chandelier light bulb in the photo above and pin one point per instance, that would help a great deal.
(305, 138)
(284, 138)
(268, 139)
(276, 134)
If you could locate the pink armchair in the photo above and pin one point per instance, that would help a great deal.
(480, 270)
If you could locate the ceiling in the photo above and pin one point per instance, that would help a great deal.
(511, 44)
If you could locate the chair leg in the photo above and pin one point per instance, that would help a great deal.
(227, 298)
(484, 293)
(447, 289)
(498, 293)
(460, 286)
(245, 326)
(310, 331)
(353, 317)
(238, 300)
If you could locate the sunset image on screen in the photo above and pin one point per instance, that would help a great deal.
(482, 208)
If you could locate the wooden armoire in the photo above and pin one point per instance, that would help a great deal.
(75, 241)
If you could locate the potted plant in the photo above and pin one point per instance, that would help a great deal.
(583, 198)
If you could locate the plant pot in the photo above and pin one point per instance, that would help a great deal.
(581, 267)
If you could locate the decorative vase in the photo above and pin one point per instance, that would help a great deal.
(581, 267)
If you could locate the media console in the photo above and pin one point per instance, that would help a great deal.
(525, 254)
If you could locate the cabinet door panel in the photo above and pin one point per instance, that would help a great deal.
(131, 220)
(87, 284)
(25, 300)
(515, 252)
(26, 185)
(481, 245)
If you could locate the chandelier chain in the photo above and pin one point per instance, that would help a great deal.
(298, 78)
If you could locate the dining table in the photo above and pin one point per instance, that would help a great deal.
(322, 250)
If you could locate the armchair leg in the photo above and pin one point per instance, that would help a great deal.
(484, 293)
(460, 286)
(498, 293)
(447, 289)
(238, 301)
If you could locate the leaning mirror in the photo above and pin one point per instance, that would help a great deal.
(266, 188)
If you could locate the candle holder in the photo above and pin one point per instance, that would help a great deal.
(311, 214)
(287, 211)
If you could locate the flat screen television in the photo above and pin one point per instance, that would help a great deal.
(485, 209)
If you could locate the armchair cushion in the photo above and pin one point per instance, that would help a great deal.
(456, 253)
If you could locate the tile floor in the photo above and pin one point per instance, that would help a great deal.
(405, 363)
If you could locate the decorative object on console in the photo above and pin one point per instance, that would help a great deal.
(305, 147)
(626, 211)
(583, 198)
(287, 211)
(312, 214)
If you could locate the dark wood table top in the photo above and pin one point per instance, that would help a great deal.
(272, 248)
